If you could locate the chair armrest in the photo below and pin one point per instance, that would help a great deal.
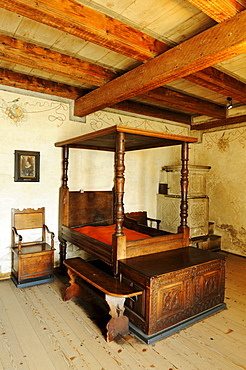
(52, 235)
(154, 220)
(16, 235)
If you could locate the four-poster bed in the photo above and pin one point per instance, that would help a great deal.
(174, 283)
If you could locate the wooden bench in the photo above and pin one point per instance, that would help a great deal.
(115, 292)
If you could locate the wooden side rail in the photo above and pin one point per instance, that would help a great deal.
(115, 292)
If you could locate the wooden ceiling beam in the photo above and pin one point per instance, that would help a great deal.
(220, 82)
(219, 123)
(81, 21)
(95, 27)
(219, 10)
(30, 55)
(36, 84)
(221, 42)
(148, 110)
(183, 102)
(32, 83)
(211, 78)
(33, 56)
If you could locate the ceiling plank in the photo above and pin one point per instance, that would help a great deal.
(221, 42)
(219, 123)
(22, 81)
(220, 82)
(33, 56)
(219, 10)
(148, 110)
(88, 24)
(183, 102)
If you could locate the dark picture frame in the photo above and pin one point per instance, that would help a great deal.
(27, 166)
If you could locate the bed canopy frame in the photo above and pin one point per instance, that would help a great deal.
(119, 139)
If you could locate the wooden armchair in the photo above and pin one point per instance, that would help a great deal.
(142, 218)
(33, 259)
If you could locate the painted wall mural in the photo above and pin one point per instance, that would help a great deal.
(222, 140)
(17, 112)
(101, 120)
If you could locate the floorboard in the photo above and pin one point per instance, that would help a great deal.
(41, 331)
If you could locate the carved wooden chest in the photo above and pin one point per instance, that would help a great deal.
(180, 287)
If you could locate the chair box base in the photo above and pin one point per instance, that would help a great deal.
(31, 282)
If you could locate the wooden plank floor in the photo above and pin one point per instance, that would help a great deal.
(40, 331)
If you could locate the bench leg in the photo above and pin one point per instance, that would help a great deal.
(74, 290)
(118, 324)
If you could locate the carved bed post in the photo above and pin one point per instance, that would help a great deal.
(184, 192)
(119, 239)
(64, 204)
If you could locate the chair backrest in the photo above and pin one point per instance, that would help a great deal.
(28, 219)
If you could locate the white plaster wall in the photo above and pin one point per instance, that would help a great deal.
(225, 152)
(45, 122)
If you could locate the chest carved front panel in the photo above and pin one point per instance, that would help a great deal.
(173, 296)
(181, 294)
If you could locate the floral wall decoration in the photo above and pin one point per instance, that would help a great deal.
(222, 140)
(101, 120)
(14, 111)
(17, 112)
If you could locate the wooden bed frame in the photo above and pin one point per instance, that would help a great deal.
(125, 258)
(84, 208)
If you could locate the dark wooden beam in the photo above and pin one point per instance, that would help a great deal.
(151, 111)
(22, 81)
(76, 19)
(219, 10)
(219, 123)
(220, 82)
(183, 102)
(33, 56)
(221, 42)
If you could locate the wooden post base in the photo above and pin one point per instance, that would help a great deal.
(119, 324)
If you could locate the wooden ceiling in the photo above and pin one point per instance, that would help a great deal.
(176, 60)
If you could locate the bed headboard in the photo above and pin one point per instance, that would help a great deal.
(90, 207)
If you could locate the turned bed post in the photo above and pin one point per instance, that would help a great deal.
(64, 203)
(184, 192)
(119, 239)
(65, 155)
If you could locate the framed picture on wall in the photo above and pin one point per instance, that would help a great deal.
(27, 166)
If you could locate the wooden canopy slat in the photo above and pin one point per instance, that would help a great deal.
(136, 139)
